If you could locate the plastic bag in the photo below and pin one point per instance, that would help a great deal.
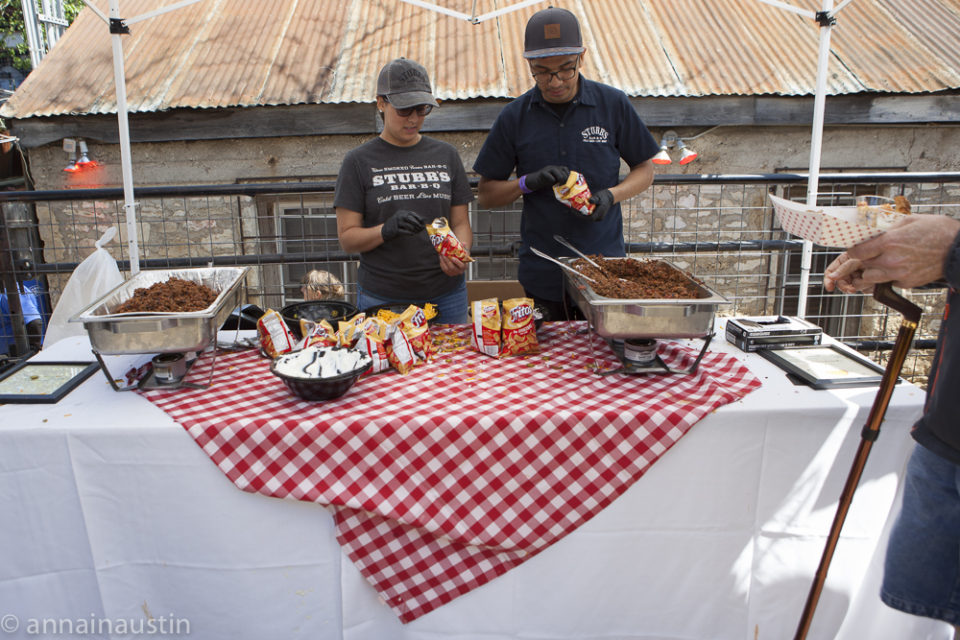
(94, 277)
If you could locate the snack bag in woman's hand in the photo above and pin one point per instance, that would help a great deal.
(445, 242)
(575, 194)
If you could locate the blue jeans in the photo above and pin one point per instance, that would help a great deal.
(921, 573)
(451, 307)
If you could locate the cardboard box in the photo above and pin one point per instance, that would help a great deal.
(499, 289)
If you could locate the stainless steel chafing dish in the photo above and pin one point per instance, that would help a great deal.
(155, 332)
(617, 318)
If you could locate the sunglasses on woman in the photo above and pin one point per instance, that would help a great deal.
(421, 109)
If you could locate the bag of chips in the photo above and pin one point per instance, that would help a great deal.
(485, 326)
(348, 331)
(445, 242)
(373, 341)
(519, 331)
(413, 322)
(399, 351)
(317, 333)
(575, 194)
(275, 337)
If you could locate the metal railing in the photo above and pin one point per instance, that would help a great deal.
(721, 228)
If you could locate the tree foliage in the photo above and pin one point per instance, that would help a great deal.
(13, 38)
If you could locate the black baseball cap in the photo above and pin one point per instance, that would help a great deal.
(552, 32)
(405, 84)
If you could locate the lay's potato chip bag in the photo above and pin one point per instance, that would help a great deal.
(317, 333)
(399, 351)
(275, 338)
(413, 322)
(373, 342)
(348, 331)
(485, 326)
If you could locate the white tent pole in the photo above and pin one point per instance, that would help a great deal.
(119, 79)
(816, 138)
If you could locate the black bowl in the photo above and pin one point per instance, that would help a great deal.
(333, 311)
(319, 389)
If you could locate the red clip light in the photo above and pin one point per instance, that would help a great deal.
(662, 157)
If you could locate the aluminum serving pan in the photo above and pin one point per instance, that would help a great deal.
(156, 332)
(652, 318)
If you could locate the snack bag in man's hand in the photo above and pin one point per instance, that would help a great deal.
(445, 242)
(575, 194)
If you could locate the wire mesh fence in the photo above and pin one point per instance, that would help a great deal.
(721, 229)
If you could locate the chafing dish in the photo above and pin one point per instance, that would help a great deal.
(159, 332)
(615, 318)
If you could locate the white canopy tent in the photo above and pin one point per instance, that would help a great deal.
(118, 26)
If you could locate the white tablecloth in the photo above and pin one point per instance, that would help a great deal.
(113, 516)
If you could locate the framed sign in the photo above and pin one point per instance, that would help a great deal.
(826, 366)
(43, 382)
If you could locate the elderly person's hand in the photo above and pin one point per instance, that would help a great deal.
(845, 274)
(910, 254)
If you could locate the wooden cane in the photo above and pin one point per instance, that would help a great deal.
(884, 294)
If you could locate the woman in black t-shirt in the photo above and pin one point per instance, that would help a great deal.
(390, 188)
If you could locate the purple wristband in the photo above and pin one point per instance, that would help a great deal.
(522, 182)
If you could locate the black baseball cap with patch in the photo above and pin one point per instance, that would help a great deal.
(552, 32)
(405, 84)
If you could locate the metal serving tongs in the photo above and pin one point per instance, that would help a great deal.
(884, 294)
(561, 264)
(559, 238)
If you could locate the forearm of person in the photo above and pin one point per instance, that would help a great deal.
(912, 253)
(637, 181)
(497, 193)
(353, 236)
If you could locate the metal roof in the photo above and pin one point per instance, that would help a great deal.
(238, 53)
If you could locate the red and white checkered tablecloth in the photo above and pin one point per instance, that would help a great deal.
(447, 477)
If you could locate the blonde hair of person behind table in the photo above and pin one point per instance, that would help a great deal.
(321, 285)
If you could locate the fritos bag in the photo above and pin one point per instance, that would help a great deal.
(413, 322)
(485, 333)
(317, 333)
(575, 194)
(445, 242)
(348, 331)
(399, 351)
(373, 342)
(275, 337)
(519, 332)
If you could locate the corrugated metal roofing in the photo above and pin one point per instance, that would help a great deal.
(237, 53)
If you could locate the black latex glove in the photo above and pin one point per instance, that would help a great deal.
(403, 223)
(603, 201)
(546, 177)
